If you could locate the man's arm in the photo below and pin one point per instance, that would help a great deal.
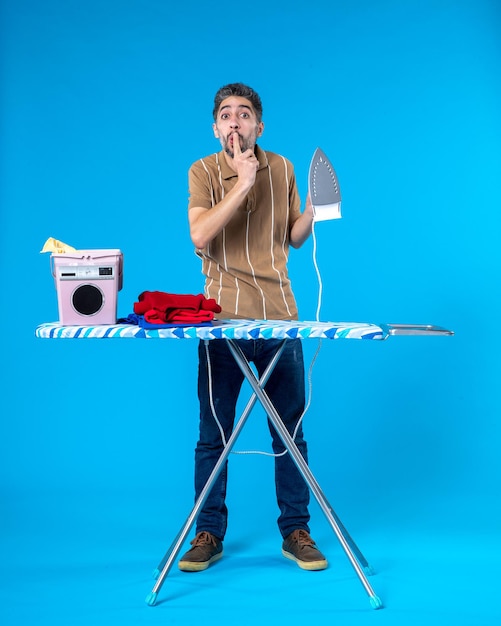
(205, 223)
(301, 229)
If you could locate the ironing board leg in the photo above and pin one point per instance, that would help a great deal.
(306, 473)
(170, 556)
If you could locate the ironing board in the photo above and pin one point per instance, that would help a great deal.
(231, 331)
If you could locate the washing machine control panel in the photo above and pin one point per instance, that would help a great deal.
(86, 272)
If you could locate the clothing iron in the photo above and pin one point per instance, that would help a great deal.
(324, 188)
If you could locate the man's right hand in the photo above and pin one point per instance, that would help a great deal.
(245, 163)
(205, 223)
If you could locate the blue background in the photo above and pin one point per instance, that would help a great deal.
(104, 107)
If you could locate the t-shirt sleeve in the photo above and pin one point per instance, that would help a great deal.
(294, 199)
(199, 187)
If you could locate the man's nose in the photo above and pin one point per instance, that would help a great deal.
(234, 123)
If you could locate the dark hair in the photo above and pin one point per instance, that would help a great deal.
(238, 89)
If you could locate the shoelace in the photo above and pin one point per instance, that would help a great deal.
(302, 538)
(202, 539)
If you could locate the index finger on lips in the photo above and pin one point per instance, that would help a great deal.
(236, 143)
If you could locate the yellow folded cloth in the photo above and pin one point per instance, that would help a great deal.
(53, 245)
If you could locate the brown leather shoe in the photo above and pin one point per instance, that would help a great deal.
(206, 549)
(300, 547)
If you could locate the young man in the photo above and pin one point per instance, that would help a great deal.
(244, 213)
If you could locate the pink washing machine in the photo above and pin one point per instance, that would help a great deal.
(87, 284)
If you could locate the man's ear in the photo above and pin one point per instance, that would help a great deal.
(216, 132)
(260, 129)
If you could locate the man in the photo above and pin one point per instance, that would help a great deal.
(244, 213)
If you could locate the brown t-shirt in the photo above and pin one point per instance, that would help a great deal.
(245, 265)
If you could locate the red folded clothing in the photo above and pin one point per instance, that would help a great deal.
(159, 307)
(178, 316)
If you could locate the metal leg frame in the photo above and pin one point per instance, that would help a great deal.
(302, 466)
(356, 558)
(170, 556)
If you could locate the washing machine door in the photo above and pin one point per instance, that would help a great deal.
(87, 299)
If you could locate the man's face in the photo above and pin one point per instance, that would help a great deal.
(236, 114)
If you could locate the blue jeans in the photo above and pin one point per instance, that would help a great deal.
(285, 388)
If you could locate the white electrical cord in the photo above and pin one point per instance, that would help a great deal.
(211, 398)
(310, 370)
(320, 287)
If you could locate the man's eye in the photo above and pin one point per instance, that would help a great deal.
(224, 116)
(244, 115)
